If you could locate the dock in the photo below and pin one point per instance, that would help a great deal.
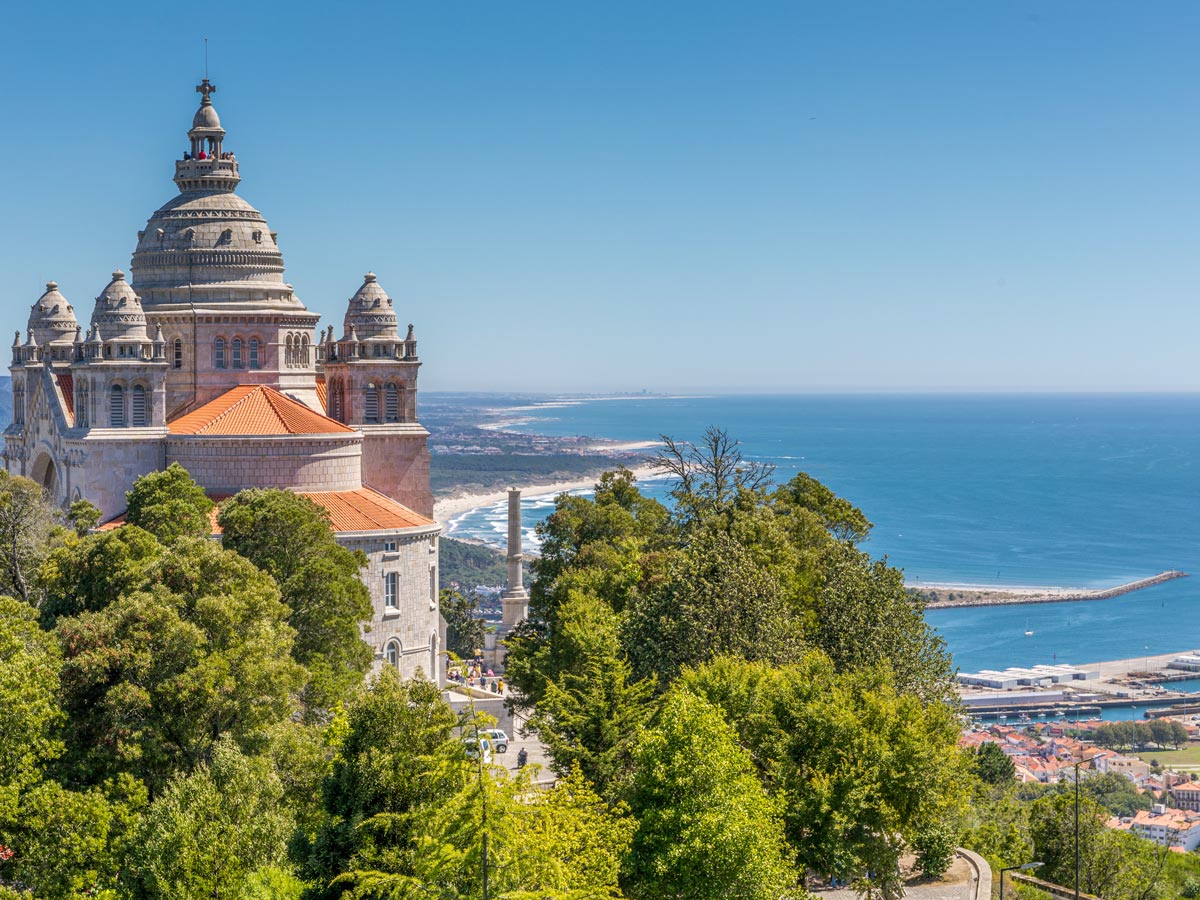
(999, 597)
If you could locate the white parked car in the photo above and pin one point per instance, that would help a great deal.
(473, 747)
(499, 739)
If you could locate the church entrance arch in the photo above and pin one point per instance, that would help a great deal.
(45, 473)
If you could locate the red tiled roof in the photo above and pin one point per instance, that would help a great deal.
(365, 510)
(360, 510)
(66, 384)
(250, 409)
(323, 393)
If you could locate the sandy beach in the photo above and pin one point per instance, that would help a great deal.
(446, 508)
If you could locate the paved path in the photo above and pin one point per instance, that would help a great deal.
(959, 883)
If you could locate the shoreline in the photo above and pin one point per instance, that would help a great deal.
(446, 508)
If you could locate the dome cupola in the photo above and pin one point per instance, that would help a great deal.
(52, 319)
(119, 313)
(369, 314)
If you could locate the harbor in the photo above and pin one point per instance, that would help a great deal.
(1143, 686)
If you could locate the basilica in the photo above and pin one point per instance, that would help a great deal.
(203, 355)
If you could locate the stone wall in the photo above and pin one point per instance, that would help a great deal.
(300, 463)
(415, 623)
(396, 463)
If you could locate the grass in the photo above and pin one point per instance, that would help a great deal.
(1188, 755)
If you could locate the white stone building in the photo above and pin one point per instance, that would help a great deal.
(205, 356)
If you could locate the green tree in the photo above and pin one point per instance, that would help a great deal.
(706, 828)
(1116, 865)
(169, 504)
(865, 616)
(464, 628)
(562, 843)
(72, 844)
(394, 758)
(29, 711)
(861, 768)
(992, 765)
(152, 681)
(1113, 791)
(83, 516)
(211, 830)
(712, 599)
(88, 574)
(844, 520)
(289, 537)
(27, 518)
(592, 711)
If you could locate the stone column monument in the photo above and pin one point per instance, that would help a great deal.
(515, 599)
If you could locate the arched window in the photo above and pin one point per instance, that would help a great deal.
(391, 590)
(371, 404)
(334, 398)
(289, 356)
(391, 409)
(219, 353)
(393, 654)
(178, 351)
(116, 407)
(237, 353)
(254, 363)
(137, 406)
(304, 351)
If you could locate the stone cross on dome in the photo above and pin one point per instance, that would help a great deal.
(206, 88)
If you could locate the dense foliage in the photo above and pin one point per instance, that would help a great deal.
(733, 695)
(749, 610)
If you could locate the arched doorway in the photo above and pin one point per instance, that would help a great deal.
(45, 473)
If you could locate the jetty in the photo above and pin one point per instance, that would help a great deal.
(1001, 597)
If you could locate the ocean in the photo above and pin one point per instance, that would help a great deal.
(1081, 491)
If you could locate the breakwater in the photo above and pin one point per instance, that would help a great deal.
(993, 597)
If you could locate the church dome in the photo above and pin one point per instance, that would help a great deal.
(52, 319)
(118, 315)
(370, 312)
(207, 245)
(206, 117)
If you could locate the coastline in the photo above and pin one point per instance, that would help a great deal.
(446, 508)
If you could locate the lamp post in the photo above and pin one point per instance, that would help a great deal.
(1022, 867)
(1077, 765)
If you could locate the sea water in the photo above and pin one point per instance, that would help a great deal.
(1084, 491)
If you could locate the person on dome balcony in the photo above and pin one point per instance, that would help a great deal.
(201, 155)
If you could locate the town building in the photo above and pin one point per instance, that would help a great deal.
(203, 355)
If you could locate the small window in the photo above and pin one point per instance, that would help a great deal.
(391, 589)
(178, 351)
(219, 353)
(237, 353)
(304, 350)
(393, 654)
(254, 363)
(116, 407)
(392, 404)
(389, 546)
(289, 356)
(137, 403)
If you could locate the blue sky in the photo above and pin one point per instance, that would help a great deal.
(673, 196)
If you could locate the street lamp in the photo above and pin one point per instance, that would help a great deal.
(1022, 867)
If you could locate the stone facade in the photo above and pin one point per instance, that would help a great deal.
(204, 315)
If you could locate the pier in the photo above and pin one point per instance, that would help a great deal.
(1000, 597)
